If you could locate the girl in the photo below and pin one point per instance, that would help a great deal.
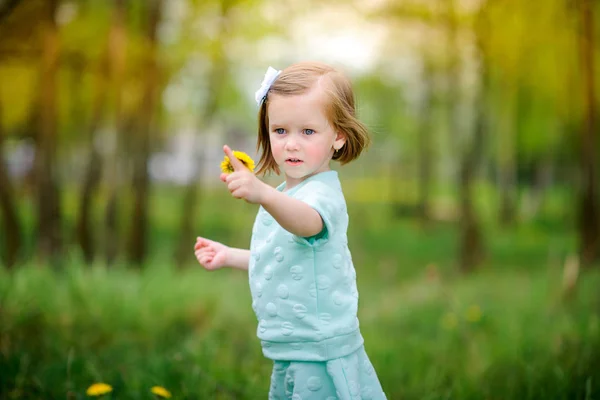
(301, 275)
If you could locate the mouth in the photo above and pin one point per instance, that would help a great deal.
(293, 161)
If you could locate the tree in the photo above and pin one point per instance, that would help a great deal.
(471, 242)
(425, 134)
(146, 118)
(506, 154)
(117, 38)
(48, 202)
(222, 102)
(12, 230)
(6, 7)
(589, 214)
(387, 99)
(93, 169)
(217, 75)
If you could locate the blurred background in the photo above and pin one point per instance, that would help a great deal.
(474, 215)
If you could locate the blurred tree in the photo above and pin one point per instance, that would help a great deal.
(446, 16)
(114, 170)
(536, 99)
(11, 227)
(7, 6)
(471, 243)
(217, 74)
(147, 124)
(48, 202)
(471, 247)
(506, 152)
(510, 100)
(223, 52)
(92, 174)
(425, 140)
(589, 214)
(391, 109)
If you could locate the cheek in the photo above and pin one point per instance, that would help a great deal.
(316, 152)
(276, 148)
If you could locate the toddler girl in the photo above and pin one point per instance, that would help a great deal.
(301, 275)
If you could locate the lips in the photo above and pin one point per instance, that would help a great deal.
(293, 161)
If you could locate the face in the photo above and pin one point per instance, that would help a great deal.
(302, 139)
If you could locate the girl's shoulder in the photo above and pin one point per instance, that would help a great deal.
(326, 183)
(320, 190)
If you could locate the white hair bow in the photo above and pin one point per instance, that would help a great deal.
(270, 77)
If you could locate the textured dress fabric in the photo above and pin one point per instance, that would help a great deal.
(305, 297)
(346, 378)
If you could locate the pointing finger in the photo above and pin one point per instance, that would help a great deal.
(235, 163)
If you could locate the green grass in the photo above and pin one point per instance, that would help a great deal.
(193, 331)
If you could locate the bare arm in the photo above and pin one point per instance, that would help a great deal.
(238, 258)
(214, 255)
(293, 215)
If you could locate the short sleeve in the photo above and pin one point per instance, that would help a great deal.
(326, 202)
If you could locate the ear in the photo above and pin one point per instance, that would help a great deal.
(339, 142)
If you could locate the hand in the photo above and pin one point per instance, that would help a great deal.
(242, 183)
(211, 255)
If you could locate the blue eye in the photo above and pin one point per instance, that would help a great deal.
(308, 131)
(280, 131)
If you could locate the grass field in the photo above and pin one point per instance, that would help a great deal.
(505, 332)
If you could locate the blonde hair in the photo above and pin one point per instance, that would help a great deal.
(300, 78)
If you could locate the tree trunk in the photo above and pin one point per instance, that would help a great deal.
(471, 247)
(471, 250)
(507, 170)
(48, 202)
(6, 7)
(94, 167)
(141, 181)
(589, 215)
(189, 207)
(184, 247)
(117, 64)
(424, 143)
(12, 229)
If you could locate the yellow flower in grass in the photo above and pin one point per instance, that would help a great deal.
(227, 168)
(161, 392)
(473, 313)
(98, 389)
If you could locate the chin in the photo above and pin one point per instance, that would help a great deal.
(295, 175)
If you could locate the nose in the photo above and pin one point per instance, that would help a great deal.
(291, 143)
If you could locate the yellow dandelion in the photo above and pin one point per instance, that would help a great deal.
(98, 389)
(473, 313)
(449, 321)
(161, 392)
(227, 168)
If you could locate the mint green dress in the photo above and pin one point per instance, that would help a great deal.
(305, 298)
